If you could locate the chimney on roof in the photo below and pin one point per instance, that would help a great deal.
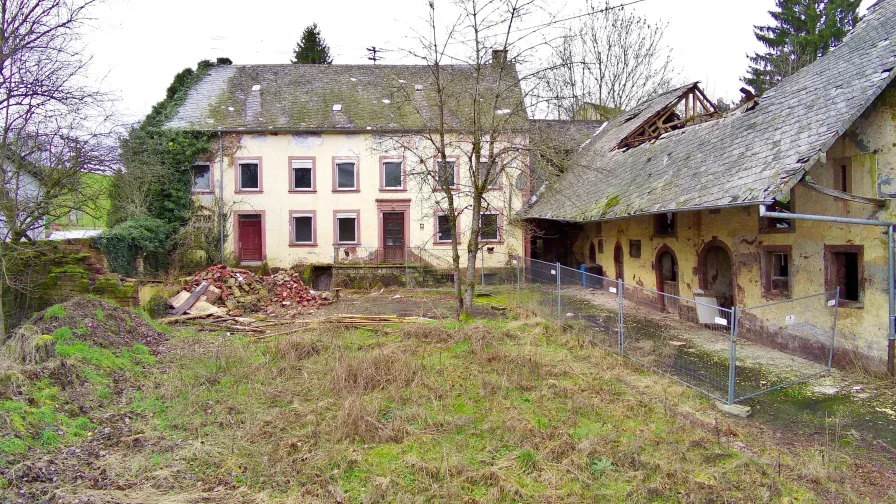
(499, 57)
(223, 61)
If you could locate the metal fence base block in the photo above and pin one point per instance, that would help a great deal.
(734, 409)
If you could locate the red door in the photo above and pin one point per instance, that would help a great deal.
(393, 237)
(250, 238)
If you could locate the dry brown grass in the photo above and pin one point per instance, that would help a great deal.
(356, 421)
(27, 346)
(374, 371)
(428, 333)
(296, 348)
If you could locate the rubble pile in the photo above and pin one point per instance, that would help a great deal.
(240, 291)
(288, 289)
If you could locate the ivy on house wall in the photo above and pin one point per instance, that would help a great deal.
(152, 191)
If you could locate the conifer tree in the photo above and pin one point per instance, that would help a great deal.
(804, 30)
(312, 48)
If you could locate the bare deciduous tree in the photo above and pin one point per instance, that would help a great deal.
(52, 124)
(610, 59)
(476, 138)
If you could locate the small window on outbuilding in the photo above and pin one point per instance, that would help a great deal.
(664, 224)
(777, 270)
(844, 269)
(634, 248)
(843, 175)
(600, 245)
(592, 253)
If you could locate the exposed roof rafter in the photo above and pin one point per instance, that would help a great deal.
(689, 108)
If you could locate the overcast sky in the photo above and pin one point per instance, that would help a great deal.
(138, 45)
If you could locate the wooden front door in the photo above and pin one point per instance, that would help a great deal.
(250, 238)
(393, 237)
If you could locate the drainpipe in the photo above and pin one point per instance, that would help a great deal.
(891, 283)
(221, 203)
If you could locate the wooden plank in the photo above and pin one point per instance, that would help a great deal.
(199, 291)
(171, 320)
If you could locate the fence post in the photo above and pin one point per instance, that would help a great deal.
(732, 364)
(834, 328)
(518, 261)
(482, 268)
(559, 316)
(407, 276)
(620, 339)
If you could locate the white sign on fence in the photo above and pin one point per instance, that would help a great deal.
(553, 272)
(721, 321)
(612, 290)
(832, 302)
(790, 319)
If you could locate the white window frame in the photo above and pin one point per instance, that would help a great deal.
(497, 174)
(355, 177)
(240, 175)
(454, 174)
(211, 179)
(436, 237)
(347, 215)
(292, 239)
(497, 227)
(400, 171)
(292, 175)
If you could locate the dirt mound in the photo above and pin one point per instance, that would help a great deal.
(95, 322)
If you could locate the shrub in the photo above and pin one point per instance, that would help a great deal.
(156, 306)
(136, 237)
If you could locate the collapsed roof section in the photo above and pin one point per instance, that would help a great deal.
(747, 158)
(688, 108)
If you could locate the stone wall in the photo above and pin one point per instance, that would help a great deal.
(55, 272)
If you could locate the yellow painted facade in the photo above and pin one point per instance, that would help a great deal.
(276, 203)
(864, 159)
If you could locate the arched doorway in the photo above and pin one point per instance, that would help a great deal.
(716, 270)
(666, 267)
(618, 261)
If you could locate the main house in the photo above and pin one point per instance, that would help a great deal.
(327, 163)
(789, 195)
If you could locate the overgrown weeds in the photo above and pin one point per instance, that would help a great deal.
(491, 411)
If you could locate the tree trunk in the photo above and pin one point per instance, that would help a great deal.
(2, 317)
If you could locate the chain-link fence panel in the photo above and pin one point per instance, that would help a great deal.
(686, 339)
(784, 342)
(591, 303)
(538, 288)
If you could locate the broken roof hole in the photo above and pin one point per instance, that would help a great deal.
(230, 109)
(402, 81)
(418, 87)
(352, 79)
(256, 87)
(502, 111)
(386, 101)
(337, 107)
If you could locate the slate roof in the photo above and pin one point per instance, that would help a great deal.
(745, 158)
(380, 97)
(575, 131)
